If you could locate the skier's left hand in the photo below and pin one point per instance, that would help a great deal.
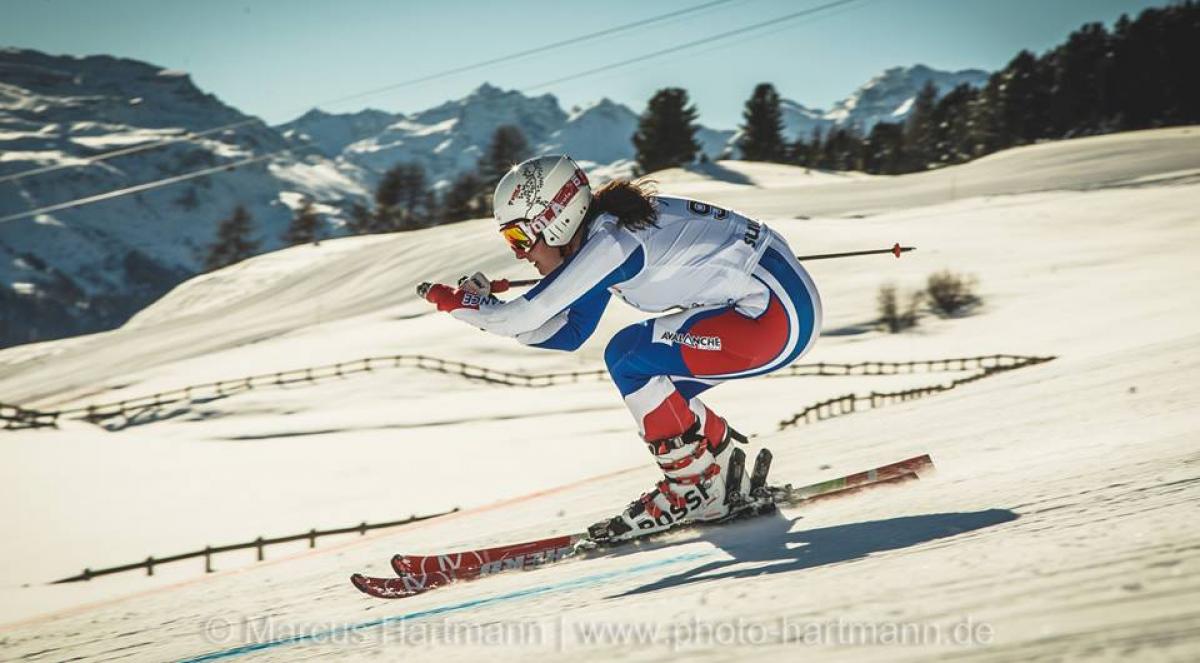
(448, 299)
(481, 285)
(477, 283)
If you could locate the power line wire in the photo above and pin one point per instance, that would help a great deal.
(845, 9)
(691, 44)
(127, 150)
(531, 51)
(115, 193)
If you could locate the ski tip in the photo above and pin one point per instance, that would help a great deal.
(359, 581)
(924, 466)
(400, 565)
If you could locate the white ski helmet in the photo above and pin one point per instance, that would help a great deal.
(550, 194)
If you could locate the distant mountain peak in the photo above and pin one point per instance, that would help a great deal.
(887, 97)
(486, 89)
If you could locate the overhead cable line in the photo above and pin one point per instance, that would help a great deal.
(115, 193)
(532, 51)
(127, 150)
(692, 44)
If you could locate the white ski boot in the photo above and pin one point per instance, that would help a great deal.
(705, 481)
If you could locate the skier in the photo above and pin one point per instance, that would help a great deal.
(748, 308)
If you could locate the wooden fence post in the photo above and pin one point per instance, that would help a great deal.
(259, 544)
(208, 559)
(312, 538)
(150, 565)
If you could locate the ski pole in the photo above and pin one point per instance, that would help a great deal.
(501, 285)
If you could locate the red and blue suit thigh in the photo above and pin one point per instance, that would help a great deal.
(661, 365)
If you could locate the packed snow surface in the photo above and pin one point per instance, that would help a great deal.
(1057, 526)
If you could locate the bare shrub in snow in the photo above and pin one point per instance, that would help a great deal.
(890, 313)
(951, 293)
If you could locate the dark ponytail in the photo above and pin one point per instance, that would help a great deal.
(632, 202)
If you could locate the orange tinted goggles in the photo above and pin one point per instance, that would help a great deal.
(518, 240)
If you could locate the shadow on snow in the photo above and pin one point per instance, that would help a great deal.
(770, 540)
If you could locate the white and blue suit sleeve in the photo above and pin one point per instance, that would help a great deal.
(563, 310)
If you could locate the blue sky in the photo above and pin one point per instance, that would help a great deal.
(277, 59)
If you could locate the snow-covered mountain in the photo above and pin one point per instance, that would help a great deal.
(888, 97)
(448, 139)
(600, 133)
(331, 133)
(90, 268)
(800, 120)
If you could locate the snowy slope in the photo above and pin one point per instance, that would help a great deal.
(1063, 525)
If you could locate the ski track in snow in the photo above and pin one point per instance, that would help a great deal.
(1060, 523)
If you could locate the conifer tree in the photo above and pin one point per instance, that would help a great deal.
(918, 130)
(507, 148)
(666, 133)
(812, 156)
(403, 200)
(762, 133)
(362, 221)
(233, 243)
(1024, 104)
(304, 226)
(883, 151)
(951, 132)
(1079, 73)
(465, 199)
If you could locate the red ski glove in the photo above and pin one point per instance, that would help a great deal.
(448, 299)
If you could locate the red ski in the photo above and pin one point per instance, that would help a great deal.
(464, 566)
(489, 560)
(398, 588)
(420, 573)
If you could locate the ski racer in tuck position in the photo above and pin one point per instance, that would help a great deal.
(748, 308)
